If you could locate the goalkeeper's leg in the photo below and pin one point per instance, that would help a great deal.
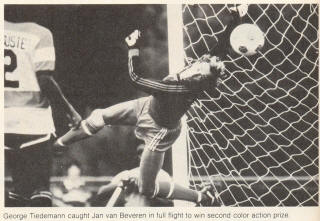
(119, 114)
(149, 186)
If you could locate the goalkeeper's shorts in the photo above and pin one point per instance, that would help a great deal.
(156, 138)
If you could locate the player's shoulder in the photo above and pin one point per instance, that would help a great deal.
(28, 27)
(37, 29)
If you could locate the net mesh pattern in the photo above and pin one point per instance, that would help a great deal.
(255, 138)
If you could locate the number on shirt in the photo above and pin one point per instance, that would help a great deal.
(9, 68)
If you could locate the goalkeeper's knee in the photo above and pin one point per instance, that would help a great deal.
(41, 199)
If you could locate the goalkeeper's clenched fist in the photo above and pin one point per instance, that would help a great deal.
(133, 39)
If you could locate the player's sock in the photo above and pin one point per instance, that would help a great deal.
(15, 200)
(41, 199)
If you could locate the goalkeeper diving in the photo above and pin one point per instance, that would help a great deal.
(157, 119)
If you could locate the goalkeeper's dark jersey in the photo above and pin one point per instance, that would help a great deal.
(170, 100)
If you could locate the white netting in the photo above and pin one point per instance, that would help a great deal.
(256, 137)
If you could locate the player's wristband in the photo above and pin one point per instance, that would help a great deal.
(59, 141)
(133, 52)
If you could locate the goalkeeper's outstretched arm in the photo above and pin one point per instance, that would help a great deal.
(189, 81)
(149, 85)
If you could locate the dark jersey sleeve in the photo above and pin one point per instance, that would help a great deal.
(148, 85)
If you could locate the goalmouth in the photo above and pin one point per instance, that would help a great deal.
(255, 138)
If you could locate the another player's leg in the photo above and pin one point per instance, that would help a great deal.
(29, 162)
(40, 174)
(16, 197)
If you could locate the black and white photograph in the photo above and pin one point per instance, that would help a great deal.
(161, 105)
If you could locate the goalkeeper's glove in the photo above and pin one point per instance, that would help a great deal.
(133, 39)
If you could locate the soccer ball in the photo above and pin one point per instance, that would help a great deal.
(247, 39)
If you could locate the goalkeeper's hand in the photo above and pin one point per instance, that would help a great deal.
(133, 39)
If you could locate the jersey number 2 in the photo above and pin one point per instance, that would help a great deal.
(9, 68)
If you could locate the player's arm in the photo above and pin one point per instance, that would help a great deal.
(50, 88)
(146, 84)
(106, 191)
(44, 65)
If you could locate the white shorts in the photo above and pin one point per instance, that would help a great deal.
(156, 138)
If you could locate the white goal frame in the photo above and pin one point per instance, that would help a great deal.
(176, 63)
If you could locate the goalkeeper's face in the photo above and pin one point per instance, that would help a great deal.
(202, 71)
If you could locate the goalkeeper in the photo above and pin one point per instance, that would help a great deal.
(157, 118)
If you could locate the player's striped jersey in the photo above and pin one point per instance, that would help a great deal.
(28, 48)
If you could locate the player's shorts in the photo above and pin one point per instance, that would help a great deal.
(156, 138)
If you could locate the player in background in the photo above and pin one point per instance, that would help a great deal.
(129, 196)
(29, 89)
(123, 190)
(157, 117)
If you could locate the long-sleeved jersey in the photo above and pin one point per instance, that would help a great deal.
(153, 86)
(170, 100)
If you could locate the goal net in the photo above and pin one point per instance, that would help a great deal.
(255, 138)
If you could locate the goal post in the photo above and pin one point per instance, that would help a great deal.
(176, 62)
(254, 138)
